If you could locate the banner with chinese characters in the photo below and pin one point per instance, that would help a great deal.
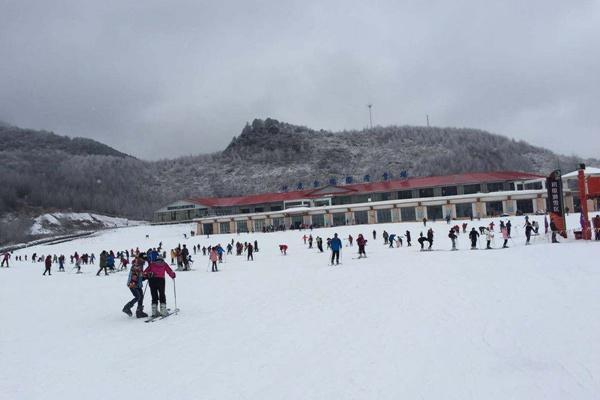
(555, 205)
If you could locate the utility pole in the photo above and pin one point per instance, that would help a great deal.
(428, 120)
(370, 115)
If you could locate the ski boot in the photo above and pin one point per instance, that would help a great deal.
(127, 310)
(155, 311)
(163, 309)
(139, 313)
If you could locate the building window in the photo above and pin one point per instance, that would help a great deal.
(259, 224)
(224, 227)
(495, 187)
(384, 216)
(259, 209)
(408, 214)
(449, 191)
(245, 211)
(276, 208)
(361, 217)
(524, 206)
(533, 186)
(242, 226)
(339, 219)
(207, 228)
(426, 192)
(494, 208)
(318, 220)
(435, 212)
(463, 210)
(405, 194)
(470, 189)
(297, 221)
(278, 222)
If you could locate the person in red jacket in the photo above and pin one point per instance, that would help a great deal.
(155, 273)
(361, 242)
(283, 249)
(48, 264)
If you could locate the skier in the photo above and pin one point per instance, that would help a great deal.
(155, 272)
(424, 221)
(61, 263)
(185, 259)
(361, 242)
(464, 227)
(504, 236)
(489, 237)
(452, 236)
(110, 261)
(528, 230)
(229, 248)
(350, 239)
(320, 243)
(214, 257)
(473, 235)
(77, 265)
(283, 249)
(310, 241)
(430, 238)
(508, 227)
(304, 238)
(255, 246)
(421, 240)
(374, 234)
(391, 240)
(102, 263)
(48, 265)
(385, 237)
(135, 284)
(249, 250)
(5, 258)
(336, 246)
(407, 235)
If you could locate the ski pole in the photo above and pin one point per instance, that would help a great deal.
(175, 295)
(145, 287)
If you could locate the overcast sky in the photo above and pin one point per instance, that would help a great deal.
(167, 78)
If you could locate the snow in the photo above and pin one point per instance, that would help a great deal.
(519, 323)
(51, 223)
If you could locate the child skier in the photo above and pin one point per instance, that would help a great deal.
(155, 273)
(214, 257)
(361, 242)
(135, 284)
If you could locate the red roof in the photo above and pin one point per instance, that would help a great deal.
(372, 187)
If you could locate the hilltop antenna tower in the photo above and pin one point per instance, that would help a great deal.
(428, 120)
(370, 114)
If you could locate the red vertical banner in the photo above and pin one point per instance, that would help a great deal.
(555, 203)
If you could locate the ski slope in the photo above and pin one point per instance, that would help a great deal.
(518, 323)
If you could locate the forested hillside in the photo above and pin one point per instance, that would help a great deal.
(42, 171)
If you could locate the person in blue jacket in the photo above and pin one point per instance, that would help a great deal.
(110, 261)
(336, 246)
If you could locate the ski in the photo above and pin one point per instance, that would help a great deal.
(158, 318)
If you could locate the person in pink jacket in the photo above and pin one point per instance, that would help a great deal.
(155, 273)
(505, 236)
(214, 257)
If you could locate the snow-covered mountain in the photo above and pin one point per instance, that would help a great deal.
(42, 172)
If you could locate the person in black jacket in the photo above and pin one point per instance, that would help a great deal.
(452, 236)
(528, 230)
(473, 235)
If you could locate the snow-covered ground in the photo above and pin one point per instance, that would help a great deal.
(519, 323)
(52, 223)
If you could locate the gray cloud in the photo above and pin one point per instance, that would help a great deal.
(161, 79)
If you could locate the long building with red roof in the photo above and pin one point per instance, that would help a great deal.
(412, 193)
